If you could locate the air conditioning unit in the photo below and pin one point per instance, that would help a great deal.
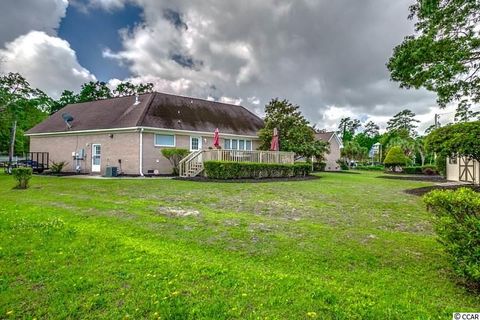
(111, 172)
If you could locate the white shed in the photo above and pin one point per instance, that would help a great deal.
(463, 169)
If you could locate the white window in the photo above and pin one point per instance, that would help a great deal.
(164, 140)
(236, 144)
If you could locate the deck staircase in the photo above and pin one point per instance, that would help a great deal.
(191, 165)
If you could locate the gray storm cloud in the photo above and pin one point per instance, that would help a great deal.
(326, 56)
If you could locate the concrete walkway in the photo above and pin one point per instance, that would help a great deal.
(454, 184)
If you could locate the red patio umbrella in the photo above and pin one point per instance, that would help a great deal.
(274, 145)
(216, 138)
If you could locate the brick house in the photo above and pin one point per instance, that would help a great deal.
(129, 132)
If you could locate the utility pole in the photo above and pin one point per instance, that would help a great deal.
(437, 118)
(11, 150)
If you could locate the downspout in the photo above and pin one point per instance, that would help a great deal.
(141, 153)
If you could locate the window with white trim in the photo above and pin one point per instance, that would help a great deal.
(237, 144)
(164, 140)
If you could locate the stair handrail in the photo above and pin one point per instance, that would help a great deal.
(185, 163)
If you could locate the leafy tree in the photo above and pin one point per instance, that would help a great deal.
(371, 129)
(461, 139)
(395, 158)
(366, 141)
(347, 128)
(96, 90)
(444, 54)
(430, 128)
(404, 120)
(129, 89)
(174, 155)
(21, 107)
(353, 151)
(464, 114)
(67, 97)
(295, 133)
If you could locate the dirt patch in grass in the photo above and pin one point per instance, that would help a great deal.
(424, 190)
(204, 179)
(177, 212)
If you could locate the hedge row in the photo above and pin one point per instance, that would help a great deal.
(224, 170)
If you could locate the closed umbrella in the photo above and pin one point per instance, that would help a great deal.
(216, 138)
(274, 145)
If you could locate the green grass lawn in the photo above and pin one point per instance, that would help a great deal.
(345, 246)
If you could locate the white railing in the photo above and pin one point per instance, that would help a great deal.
(192, 165)
(249, 156)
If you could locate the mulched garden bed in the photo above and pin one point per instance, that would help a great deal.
(416, 177)
(204, 179)
(424, 190)
(62, 174)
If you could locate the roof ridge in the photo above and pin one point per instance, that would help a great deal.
(147, 107)
(201, 99)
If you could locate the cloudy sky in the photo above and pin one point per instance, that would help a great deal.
(326, 56)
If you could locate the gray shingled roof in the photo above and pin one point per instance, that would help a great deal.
(324, 136)
(157, 110)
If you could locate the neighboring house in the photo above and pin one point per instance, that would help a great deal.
(335, 144)
(463, 169)
(129, 132)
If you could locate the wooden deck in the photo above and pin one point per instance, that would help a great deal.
(192, 165)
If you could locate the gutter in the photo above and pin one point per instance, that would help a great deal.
(133, 129)
(140, 167)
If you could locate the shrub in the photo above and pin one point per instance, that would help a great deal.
(413, 170)
(23, 176)
(343, 165)
(224, 170)
(395, 157)
(429, 170)
(57, 167)
(441, 164)
(319, 166)
(174, 155)
(457, 223)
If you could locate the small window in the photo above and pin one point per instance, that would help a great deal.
(234, 144)
(165, 140)
(227, 144)
(241, 144)
(248, 145)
